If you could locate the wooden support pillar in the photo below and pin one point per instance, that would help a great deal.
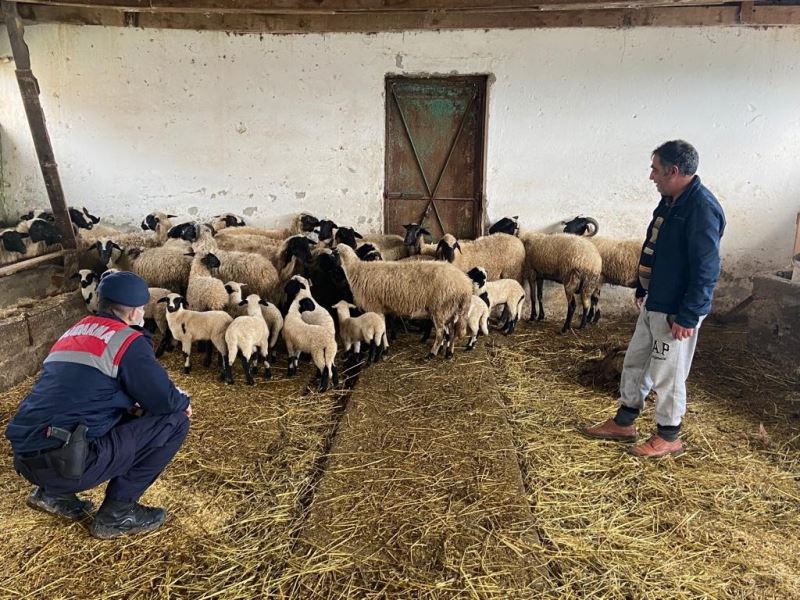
(29, 89)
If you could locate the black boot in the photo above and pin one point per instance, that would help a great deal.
(117, 518)
(68, 506)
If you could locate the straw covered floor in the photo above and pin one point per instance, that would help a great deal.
(448, 479)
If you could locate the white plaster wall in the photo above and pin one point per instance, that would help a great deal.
(200, 122)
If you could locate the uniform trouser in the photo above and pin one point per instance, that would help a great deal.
(130, 457)
(655, 361)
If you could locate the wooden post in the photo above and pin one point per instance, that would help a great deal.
(29, 89)
(796, 252)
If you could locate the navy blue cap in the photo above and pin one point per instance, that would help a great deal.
(125, 288)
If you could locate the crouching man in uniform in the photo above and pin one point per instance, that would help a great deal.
(76, 428)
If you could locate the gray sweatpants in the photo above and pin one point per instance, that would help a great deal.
(655, 361)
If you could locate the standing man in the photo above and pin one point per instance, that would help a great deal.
(75, 429)
(678, 269)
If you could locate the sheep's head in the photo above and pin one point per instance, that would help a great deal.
(347, 236)
(509, 225)
(44, 231)
(326, 228)
(105, 249)
(413, 232)
(13, 241)
(86, 276)
(309, 222)
(82, 218)
(581, 225)
(210, 261)
(151, 221)
(446, 249)
(184, 231)
(175, 302)
(368, 252)
(38, 214)
(293, 287)
(234, 286)
(478, 277)
(227, 220)
(299, 246)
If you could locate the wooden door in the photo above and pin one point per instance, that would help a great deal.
(434, 154)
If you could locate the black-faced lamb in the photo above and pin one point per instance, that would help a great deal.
(247, 335)
(88, 281)
(368, 327)
(506, 292)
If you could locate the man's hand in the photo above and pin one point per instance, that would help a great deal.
(188, 411)
(640, 302)
(681, 333)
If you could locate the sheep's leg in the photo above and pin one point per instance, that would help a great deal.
(186, 346)
(439, 340)
(166, 340)
(427, 327)
(373, 349)
(291, 370)
(594, 311)
(570, 313)
(209, 351)
(265, 356)
(450, 339)
(318, 357)
(248, 376)
(357, 348)
(539, 289)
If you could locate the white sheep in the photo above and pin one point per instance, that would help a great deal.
(477, 320)
(434, 290)
(502, 255)
(205, 292)
(316, 340)
(368, 327)
(505, 292)
(620, 267)
(300, 287)
(245, 335)
(188, 326)
(571, 260)
(271, 313)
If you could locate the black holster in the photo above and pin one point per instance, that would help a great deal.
(69, 461)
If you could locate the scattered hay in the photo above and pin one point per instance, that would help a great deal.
(722, 521)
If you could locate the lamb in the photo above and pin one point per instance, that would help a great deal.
(188, 326)
(205, 292)
(568, 259)
(477, 319)
(160, 223)
(88, 282)
(300, 287)
(415, 241)
(507, 292)
(255, 270)
(316, 340)
(390, 246)
(271, 313)
(40, 235)
(369, 327)
(502, 255)
(246, 334)
(155, 312)
(426, 289)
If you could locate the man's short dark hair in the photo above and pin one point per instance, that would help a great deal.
(106, 305)
(678, 153)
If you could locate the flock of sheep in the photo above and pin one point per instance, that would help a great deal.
(239, 288)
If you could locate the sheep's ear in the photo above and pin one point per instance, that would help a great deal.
(172, 216)
(24, 235)
(182, 302)
(424, 231)
(164, 299)
(243, 303)
(116, 245)
(190, 253)
(458, 247)
(358, 235)
(263, 302)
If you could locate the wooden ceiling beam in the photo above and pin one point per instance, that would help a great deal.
(356, 6)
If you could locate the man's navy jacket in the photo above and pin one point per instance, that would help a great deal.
(687, 262)
(69, 393)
